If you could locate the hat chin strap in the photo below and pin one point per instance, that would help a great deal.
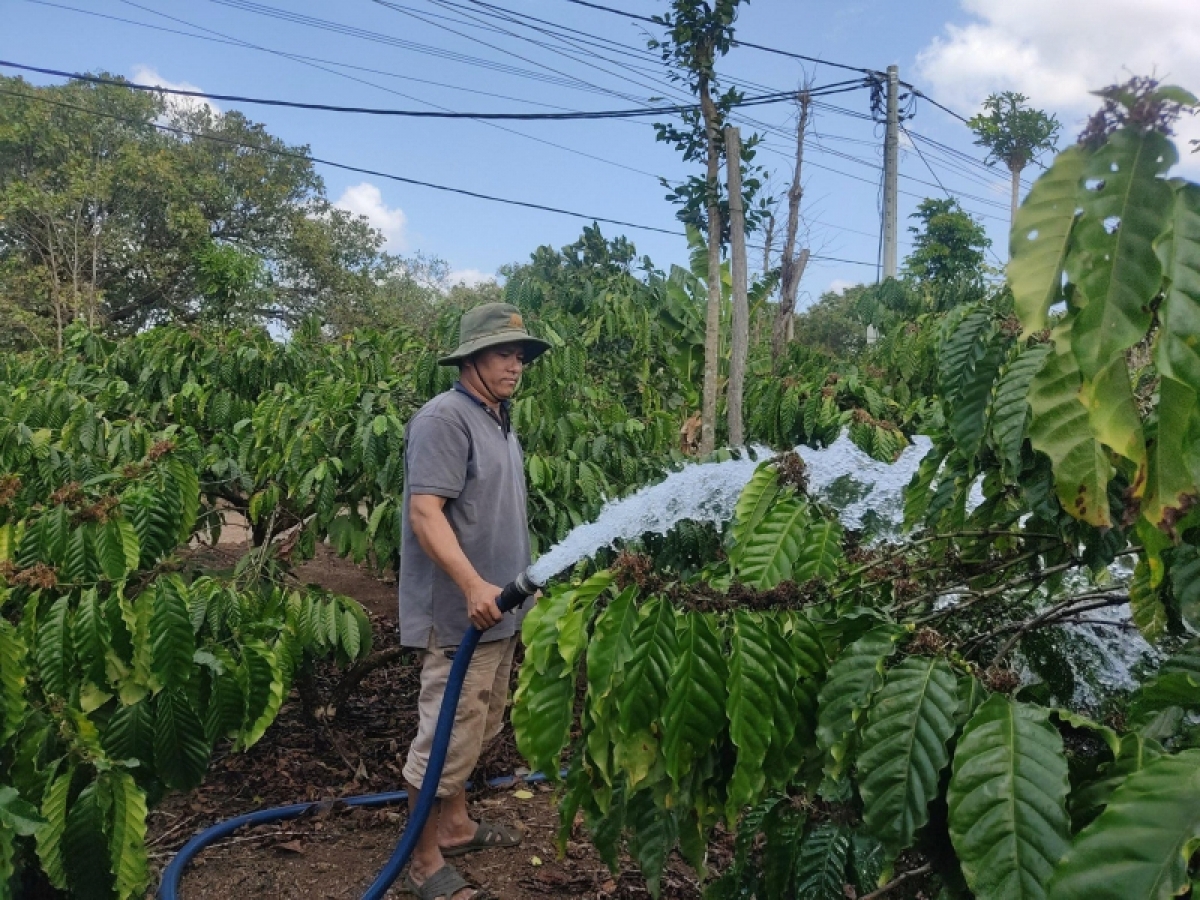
(483, 384)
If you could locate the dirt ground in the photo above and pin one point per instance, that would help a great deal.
(336, 852)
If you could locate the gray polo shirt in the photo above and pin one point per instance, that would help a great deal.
(455, 448)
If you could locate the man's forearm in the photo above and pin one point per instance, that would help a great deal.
(440, 543)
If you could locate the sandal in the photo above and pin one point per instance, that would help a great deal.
(445, 882)
(487, 837)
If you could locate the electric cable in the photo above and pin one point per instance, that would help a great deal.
(736, 43)
(950, 196)
(377, 111)
(373, 172)
(490, 124)
(233, 42)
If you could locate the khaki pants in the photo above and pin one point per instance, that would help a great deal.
(480, 711)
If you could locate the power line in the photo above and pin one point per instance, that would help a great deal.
(298, 57)
(736, 43)
(943, 187)
(406, 113)
(290, 154)
(316, 65)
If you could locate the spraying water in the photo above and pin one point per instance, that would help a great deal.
(865, 492)
(869, 496)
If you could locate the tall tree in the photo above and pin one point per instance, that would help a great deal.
(1014, 134)
(698, 33)
(106, 218)
(948, 245)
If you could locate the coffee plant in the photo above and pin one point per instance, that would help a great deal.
(850, 715)
(120, 669)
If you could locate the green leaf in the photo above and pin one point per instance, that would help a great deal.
(263, 689)
(694, 716)
(1177, 351)
(967, 416)
(1117, 274)
(7, 860)
(1040, 236)
(820, 552)
(643, 690)
(751, 708)
(852, 681)
(904, 749)
(50, 835)
(130, 733)
(1113, 414)
(91, 637)
(770, 551)
(18, 815)
(1061, 429)
(1174, 464)
(654, 830)
(127, 836)
(754, 503)
(171, 637)
(607, 654)
(962, 346)
(541, 713)
(180, 746)
(54, 648)
(821, 868)
(572, 625)
(13, 669)
(110, 550)
(1149, 614)
(130, 544)
(1140, 846)
(85, 844)
(1185, 582)
(1088, 800)
(1007, 795)
(1010, 409)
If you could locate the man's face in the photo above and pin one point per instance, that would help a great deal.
(499, 368)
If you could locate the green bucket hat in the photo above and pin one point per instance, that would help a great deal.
(489, 325)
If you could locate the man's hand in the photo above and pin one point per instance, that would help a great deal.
(481, 605)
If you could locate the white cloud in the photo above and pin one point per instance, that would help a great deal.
(838, 285)
(1056, 51)
(143, 74)
(366, 200)
(469, 277)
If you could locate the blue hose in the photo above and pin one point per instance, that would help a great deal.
(512, 595)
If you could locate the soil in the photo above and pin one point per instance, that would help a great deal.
(336, 851)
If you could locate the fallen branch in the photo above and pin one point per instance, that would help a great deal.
(899, 880)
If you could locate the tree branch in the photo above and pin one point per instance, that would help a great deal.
(898, 880)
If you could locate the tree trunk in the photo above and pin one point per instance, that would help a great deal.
(792, 266)
(740, 339)
(712, 327)
(1016, 195)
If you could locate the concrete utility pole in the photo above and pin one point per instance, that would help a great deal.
(740, 338)
(891, 168)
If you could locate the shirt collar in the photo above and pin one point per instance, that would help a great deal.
(503, 419)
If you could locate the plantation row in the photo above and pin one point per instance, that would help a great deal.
(125, 665)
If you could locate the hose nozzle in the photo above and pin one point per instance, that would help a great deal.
(516, 591)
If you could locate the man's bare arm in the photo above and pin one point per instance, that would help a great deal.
(438, 540)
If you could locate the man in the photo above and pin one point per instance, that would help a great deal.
(465, 535)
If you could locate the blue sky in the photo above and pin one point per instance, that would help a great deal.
(1053, 50)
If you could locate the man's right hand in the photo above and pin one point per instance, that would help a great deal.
(481, 605)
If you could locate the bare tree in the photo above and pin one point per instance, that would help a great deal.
(739, 344)
(792, 265)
